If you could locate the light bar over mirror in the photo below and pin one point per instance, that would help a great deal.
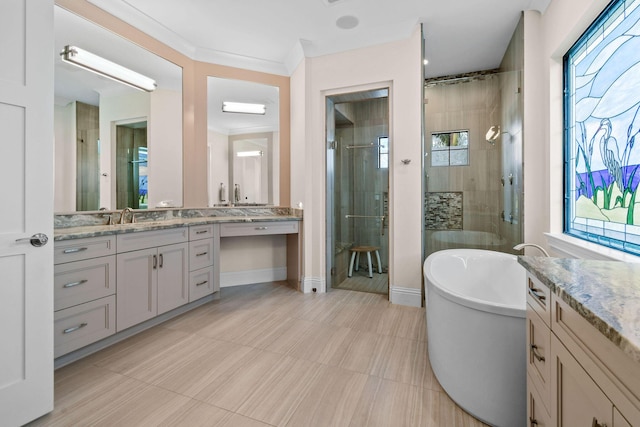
(243, 107)
(249, 153)
(99, 65)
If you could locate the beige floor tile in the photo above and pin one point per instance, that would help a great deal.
(331, 400)
(193, 366)
(385, 404)
(321, 343)
(366, 352)
(265, 355)
(232, 388)
(280, 392)
(135, 351)
(289, 334)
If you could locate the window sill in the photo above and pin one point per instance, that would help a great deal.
(567, 246)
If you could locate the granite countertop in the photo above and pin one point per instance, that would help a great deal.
(605, 293)
(83, 231)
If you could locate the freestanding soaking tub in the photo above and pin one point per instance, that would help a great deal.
(476, 307)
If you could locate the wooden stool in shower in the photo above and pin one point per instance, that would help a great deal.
(355, 257)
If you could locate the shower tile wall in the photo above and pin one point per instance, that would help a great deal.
(362, 185)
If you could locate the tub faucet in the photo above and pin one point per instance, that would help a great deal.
(523, 245)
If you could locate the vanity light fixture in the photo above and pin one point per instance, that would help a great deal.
(243, 107)
(99, 65)
(249, 153)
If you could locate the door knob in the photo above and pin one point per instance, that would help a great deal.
(37, 240)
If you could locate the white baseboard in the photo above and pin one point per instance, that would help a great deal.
(311, 283)
(248, 277)
(405, 296)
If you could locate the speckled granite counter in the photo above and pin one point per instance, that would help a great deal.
(92, 224)
(605, 293)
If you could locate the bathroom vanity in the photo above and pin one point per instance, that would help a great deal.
(583, 335)
(115, 280)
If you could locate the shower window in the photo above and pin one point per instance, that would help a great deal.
(602, 130)
(450, 148)
(383, 152)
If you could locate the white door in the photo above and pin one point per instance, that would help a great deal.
(26, 197)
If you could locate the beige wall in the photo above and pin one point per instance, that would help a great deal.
(396, 65)
(547, 37)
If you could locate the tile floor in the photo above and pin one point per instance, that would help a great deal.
(264, 355)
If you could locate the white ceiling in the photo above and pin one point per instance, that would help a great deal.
(274, 35)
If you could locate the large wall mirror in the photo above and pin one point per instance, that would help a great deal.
(115, 146)
(243, 148)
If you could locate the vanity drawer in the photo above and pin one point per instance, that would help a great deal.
(82, 281)
(539, 298)
(79, 249)
(128, 242)
(199, 232)
(200, 254)
(84, 324)
(201, 283)
(538, 356)
(258, 228)
(537, 414)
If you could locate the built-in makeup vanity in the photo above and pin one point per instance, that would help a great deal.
(117, 273)
(583, 333)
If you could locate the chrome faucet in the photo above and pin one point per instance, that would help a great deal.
(523, 245)
(123, 214)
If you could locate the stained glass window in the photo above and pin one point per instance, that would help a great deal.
(602, 130)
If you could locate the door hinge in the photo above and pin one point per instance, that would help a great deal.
(332, 145)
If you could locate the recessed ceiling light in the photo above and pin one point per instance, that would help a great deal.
(425, 61)
(347, 22)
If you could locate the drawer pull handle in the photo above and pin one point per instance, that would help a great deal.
(533, 422)
(595, 423)
(536, 294)
(262, 228)
(204, 282)
(72, 284)
(80, 326)
(74, 250)
(161, 260)
(202, 253)
(202, 231)
(534, 351)
(155, 262)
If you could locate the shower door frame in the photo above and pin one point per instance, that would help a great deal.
(329, 142)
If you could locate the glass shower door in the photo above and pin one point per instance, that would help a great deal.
(358, 191)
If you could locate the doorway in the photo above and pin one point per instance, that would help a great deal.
(131, 165)
(358, 191)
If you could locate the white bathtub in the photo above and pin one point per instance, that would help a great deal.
(476, 307)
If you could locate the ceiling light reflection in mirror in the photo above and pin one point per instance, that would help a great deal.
(236, 177)
(85, 162)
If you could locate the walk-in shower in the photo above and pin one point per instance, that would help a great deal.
(358, 143)
(473, 162)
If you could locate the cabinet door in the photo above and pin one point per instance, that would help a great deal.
(173, 276)
(136, 297)
(578, 400)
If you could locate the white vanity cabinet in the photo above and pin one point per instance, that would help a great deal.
(84, 292)
(204, 248)
(152, 274)
(575, 375)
